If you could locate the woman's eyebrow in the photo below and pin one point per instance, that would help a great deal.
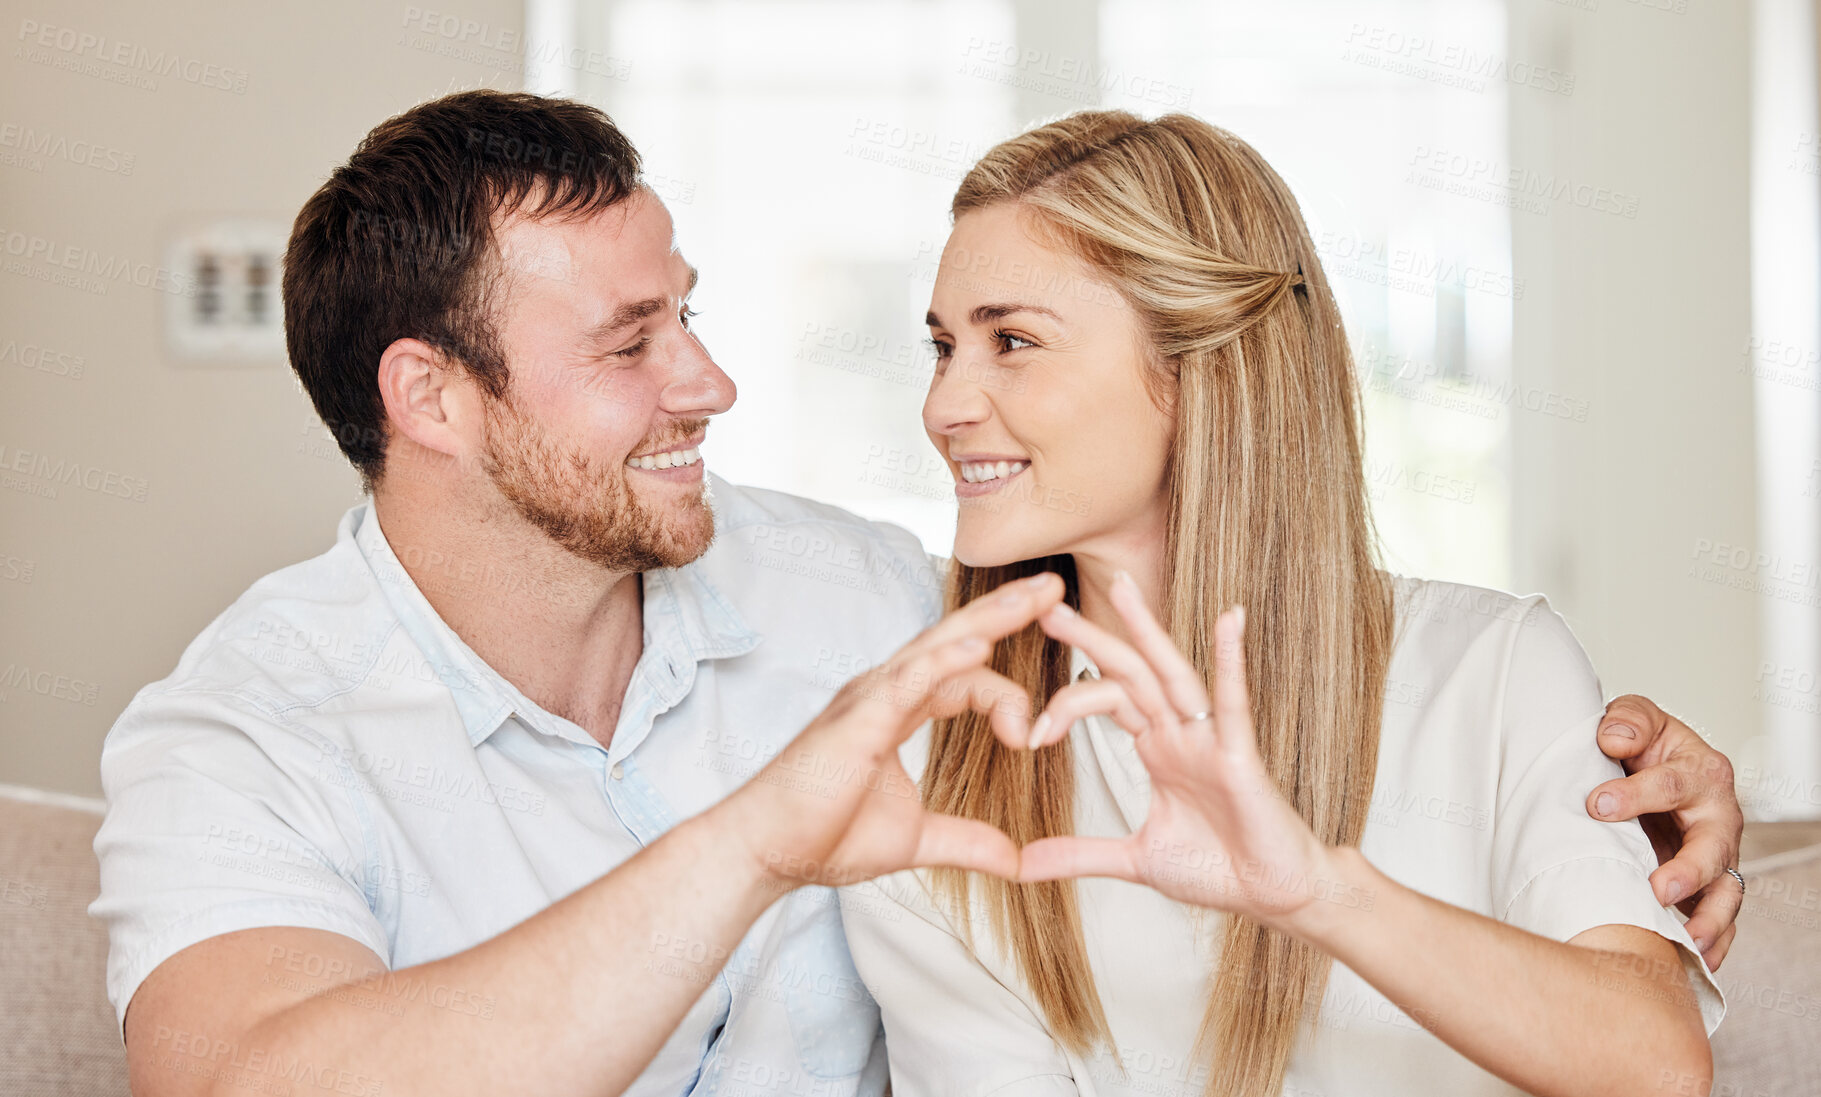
(986, 314)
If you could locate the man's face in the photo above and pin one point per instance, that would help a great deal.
(596, 443)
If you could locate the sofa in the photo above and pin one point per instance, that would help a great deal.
(61, 1040)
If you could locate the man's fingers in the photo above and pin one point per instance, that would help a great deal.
(1664, 787)
(901, 693)
(1716, 955)
(1072, 702)
(994, 615)
(983, 689)
(1615, 801)
(1631, 724)
(1067, 857)
(1715, 913)
(1705, 853)
(950, 842)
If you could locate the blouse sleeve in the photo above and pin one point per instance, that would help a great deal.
(951, 1027)
(1556, 870)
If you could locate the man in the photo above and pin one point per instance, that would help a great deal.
(501, 793)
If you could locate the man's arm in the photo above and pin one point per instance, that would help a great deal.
(568, 1001)
(1681, 790)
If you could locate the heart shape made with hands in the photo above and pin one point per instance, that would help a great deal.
(1220, 833)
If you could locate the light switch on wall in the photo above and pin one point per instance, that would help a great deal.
(231, 313)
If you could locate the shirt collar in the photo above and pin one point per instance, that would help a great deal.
(685, 617)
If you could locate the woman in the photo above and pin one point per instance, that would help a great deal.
(1143, 384)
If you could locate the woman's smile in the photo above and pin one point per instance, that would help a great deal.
(976, 476)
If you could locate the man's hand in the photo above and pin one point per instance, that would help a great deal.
(1681, 791)
(836, 806)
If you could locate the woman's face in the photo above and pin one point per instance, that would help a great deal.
(1038, 401)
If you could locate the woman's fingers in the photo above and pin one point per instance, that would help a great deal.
(1232, 702)
(1072, 702)
(1116, 659)
(950, 842)
(1182, 684)
(1068, 857)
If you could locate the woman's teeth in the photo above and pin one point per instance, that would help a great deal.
(979, 472)
(670, 459)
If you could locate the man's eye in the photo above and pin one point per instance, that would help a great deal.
(686, 315)
(634, 350)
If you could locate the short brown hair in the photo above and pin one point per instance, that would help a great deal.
(399, 243)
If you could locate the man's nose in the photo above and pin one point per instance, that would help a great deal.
(698, 386)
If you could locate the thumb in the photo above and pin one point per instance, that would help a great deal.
(950, 842)
(1061, 858)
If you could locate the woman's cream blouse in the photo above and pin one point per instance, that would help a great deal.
(1486, 756)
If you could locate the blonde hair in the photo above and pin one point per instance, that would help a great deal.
(1267, 497)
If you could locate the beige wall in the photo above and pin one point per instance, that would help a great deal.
(1646, 319)
(234, 487)
(1643, 318)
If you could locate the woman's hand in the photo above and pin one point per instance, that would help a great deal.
(1220, 832)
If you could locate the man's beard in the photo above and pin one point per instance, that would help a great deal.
(587, 507)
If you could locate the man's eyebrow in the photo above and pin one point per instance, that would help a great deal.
(986, 314)
(634, 311)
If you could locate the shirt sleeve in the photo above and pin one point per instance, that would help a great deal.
(220, 819)
(1556, 870)
(951, 1027)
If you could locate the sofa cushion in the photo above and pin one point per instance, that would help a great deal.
(1770, 1042)
(60, 1033)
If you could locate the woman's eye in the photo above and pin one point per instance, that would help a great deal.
(1009, 342)
(686, 315)
(940, 349)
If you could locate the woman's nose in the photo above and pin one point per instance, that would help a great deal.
(954, 401)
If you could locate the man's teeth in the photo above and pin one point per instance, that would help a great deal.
(670, 459)
(979, 472)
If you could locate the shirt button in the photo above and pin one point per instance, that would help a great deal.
(617, 771)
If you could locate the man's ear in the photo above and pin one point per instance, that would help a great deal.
(430, 399)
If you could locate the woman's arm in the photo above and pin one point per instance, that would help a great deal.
(1610, 1011)
(1540, 1013)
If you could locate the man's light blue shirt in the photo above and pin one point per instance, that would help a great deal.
(328, 753)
